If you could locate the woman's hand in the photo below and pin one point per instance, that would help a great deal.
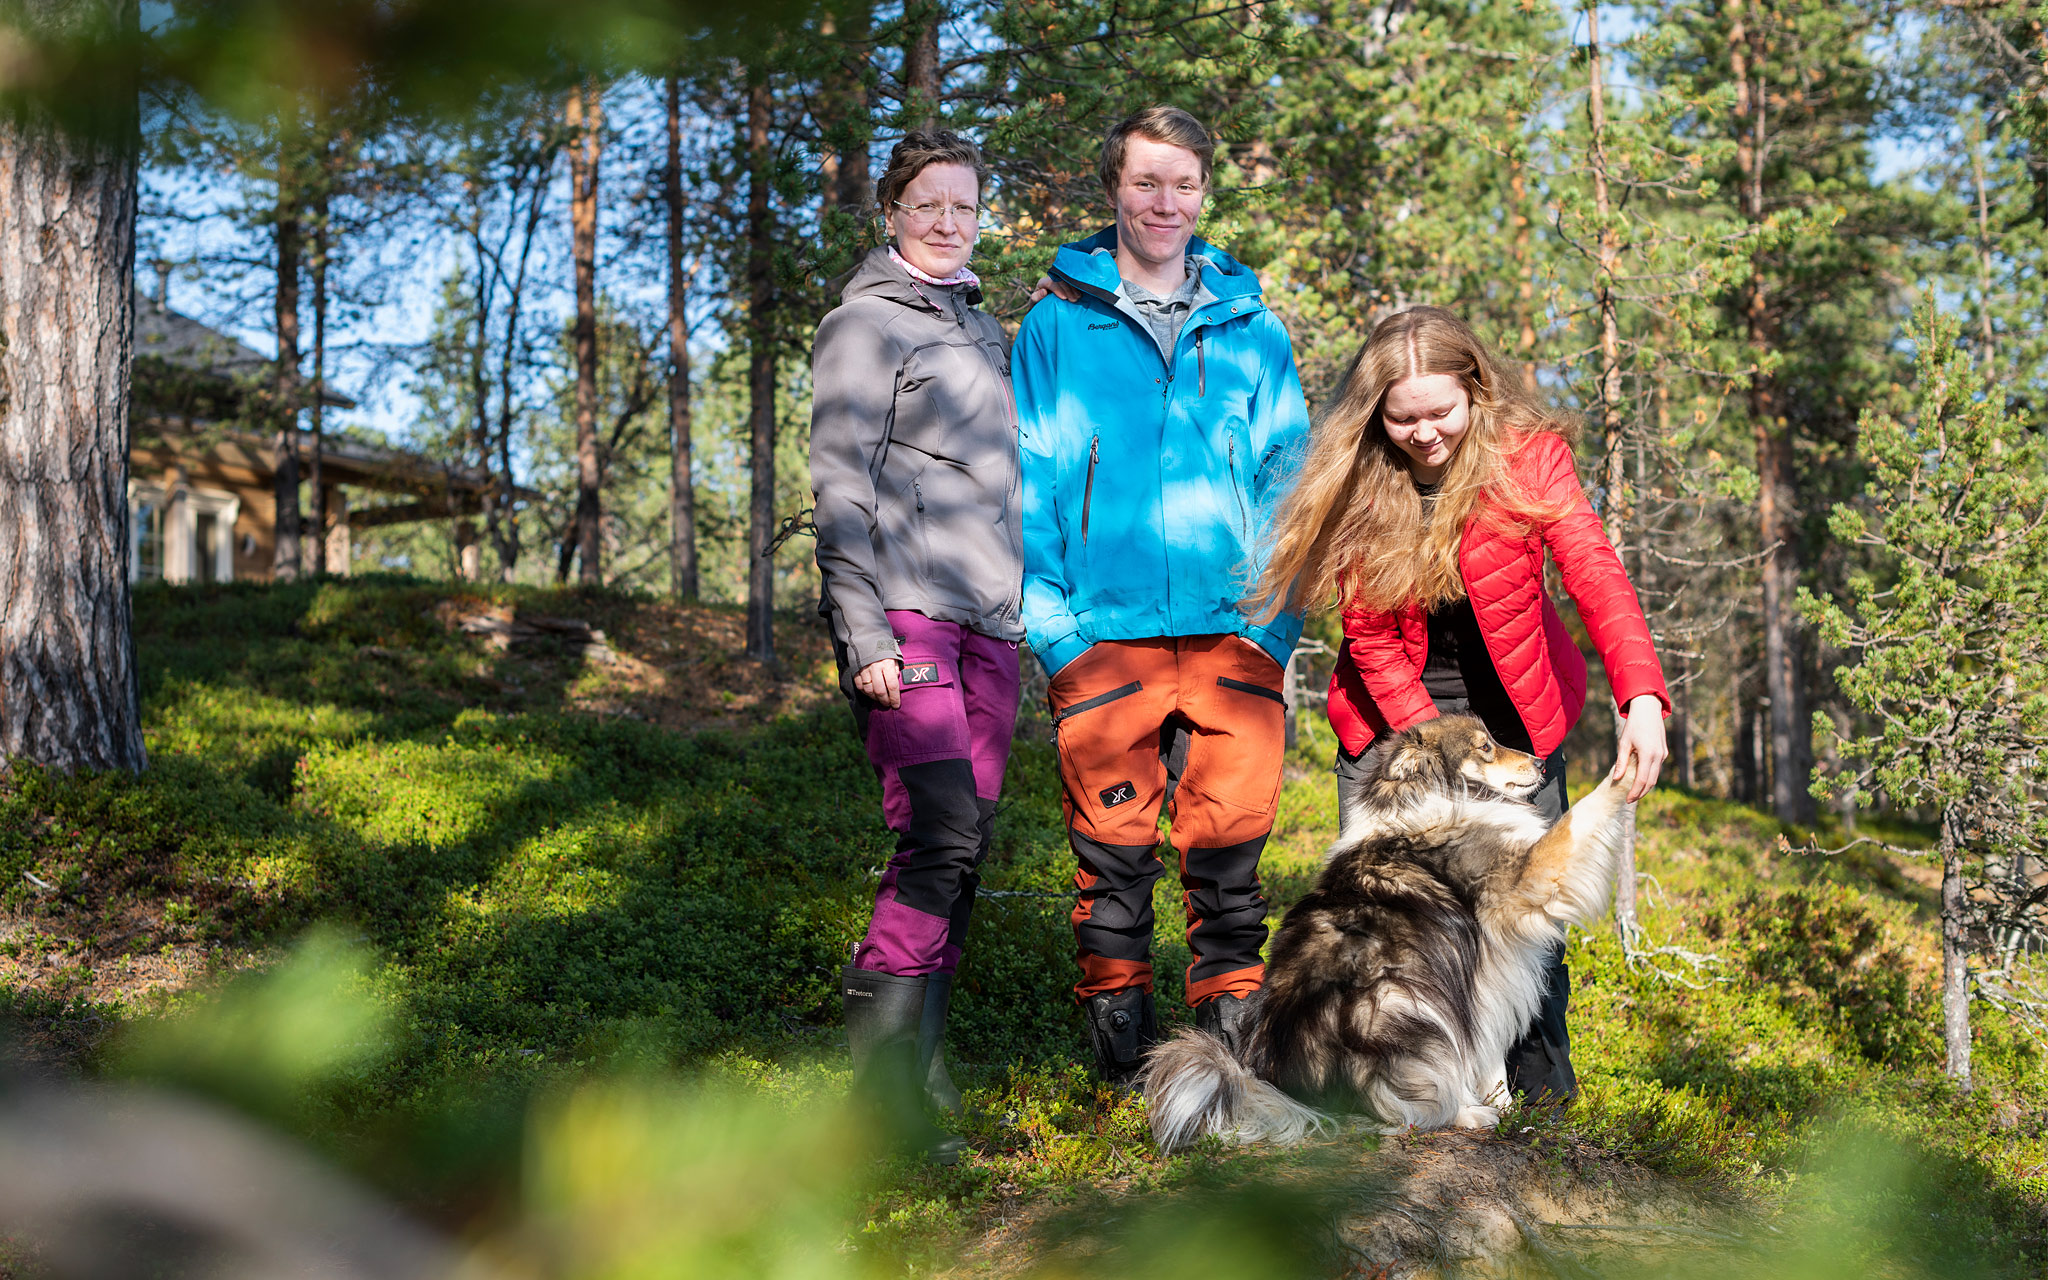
(883, 682)
(1642, 736)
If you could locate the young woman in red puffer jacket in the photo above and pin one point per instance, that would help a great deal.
(1430, 494)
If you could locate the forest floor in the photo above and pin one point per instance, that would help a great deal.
(420, 873)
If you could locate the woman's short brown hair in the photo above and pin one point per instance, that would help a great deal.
(1170, 125)
(919, 150)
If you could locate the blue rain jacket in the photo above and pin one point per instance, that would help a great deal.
(1150, 476)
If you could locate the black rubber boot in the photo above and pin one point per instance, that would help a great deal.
(1540, 1063)
(883, 1016)
(1122, 1026)
(939, 1090)
(1230, 1019)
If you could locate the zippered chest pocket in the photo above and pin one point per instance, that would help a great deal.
(1240, 488)
(1088, 485)
(951, 403)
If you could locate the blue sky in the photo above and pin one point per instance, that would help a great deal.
(367, 351)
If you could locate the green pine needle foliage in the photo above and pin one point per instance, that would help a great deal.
(1949, 630)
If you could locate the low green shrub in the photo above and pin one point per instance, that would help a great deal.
(538, 897)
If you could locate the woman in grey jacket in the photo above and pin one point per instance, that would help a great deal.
(914, 471)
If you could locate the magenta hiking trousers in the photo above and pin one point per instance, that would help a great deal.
(941, 757)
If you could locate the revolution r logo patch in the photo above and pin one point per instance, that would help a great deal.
(920, 673)
(1121, 793)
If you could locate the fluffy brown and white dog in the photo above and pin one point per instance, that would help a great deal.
(1397, 985)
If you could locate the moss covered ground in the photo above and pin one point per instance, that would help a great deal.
(546, 869)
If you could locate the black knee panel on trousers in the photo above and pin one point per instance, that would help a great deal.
(1229, 907)
(1119, 923)
(963, 906)
(944, 835)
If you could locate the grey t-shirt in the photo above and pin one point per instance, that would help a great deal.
(1166, 316)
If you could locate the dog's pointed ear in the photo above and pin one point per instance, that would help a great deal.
(1404, 762)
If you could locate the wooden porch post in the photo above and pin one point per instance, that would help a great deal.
(339, 544)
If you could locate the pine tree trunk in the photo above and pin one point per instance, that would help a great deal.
(849, 184)
(1791, 733)
(1617, 507)
(1986, 255)
(1791, 737)
(68, 691)
(284, 449)
(585, 119)
(316, 482)
(760, 377)
(1955, 959)
(1748, 774)
(504, 511)
(682, 505)
(1525, 278)
(1681, 725)
(480, 399)
(921, 64)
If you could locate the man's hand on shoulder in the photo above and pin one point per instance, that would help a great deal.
(1057, 288)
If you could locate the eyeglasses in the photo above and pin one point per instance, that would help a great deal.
(921, 216)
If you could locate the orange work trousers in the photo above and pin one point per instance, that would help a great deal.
(1196, 723)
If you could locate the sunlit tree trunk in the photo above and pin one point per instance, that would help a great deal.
(849, 183)
(1955, 952)
(315, 491)
(921, 64)
(284, 449)
(760, 375)
(1525, 278)
(1986, 255)
(1613, 423)
(586, 122)
(682, 505)
(68, 692)
(1790, 734)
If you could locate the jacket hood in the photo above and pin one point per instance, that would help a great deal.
(1080, 263)
(880, 276)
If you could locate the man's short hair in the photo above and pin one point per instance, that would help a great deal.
(1169, 125)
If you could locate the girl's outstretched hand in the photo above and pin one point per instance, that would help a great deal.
(1642, 736)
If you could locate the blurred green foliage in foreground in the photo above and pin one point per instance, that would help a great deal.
(569, 998)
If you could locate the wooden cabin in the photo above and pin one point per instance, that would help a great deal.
(202, 497)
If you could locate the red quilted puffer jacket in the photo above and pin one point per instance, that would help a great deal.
(1377, 687)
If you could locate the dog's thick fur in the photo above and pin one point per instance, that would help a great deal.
(1396, 986)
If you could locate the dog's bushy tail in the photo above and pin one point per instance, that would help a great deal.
(1193, 1086)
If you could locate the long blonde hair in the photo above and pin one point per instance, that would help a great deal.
(1354, 532)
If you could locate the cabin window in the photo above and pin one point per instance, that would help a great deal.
(149, 539)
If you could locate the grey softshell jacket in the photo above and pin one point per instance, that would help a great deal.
(913, 462)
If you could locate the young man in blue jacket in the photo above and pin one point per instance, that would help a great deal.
(1160, 418)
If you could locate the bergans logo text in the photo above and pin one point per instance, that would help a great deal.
(1114, 324)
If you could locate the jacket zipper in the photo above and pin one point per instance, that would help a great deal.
(1088, 492)
(1244, 524)
(1002, 368)
(1201, 368)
